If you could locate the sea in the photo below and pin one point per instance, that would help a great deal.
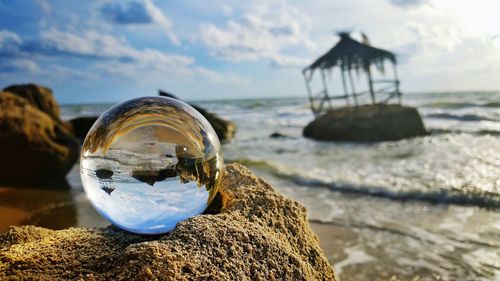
(426, 208)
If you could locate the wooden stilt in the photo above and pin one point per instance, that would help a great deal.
(344, 86)
(308, 87)
(370, 83)
(325, 87)
(396, 81)
(353, 90)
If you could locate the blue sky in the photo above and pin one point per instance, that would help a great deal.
(109, 51)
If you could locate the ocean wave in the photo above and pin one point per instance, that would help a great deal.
(465, 117)
(436, 131)
(440, 196)
(492, 104)
(457, 104)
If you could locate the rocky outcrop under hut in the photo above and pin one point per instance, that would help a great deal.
(35, 145)
(379, 122)
(251, 233)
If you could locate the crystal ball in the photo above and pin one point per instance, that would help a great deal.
(150, 162)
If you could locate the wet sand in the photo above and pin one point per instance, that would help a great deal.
(45, 208)
(11, 216)
(351, 263)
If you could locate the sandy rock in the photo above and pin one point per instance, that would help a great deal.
(38, 96)
(35, 148)
(255, 234)
(367, 123)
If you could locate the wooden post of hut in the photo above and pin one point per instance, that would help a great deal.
(375, 119)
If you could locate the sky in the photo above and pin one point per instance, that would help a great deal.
(110, 51)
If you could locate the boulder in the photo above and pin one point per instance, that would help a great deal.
(34, 146)
(82, 125)
(224, 129)
(378, 122)
(38, 96)
(251, 233)
(278, 135)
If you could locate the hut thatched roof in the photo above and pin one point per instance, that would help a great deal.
(351, 54)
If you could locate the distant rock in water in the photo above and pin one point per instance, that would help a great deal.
(251, 233)
(82, 125)
(278, 135)
(35, 146)
(224, 129)
(367, 123)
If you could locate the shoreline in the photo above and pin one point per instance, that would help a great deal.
(12, 216)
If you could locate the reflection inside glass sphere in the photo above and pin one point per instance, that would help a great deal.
(149, 163)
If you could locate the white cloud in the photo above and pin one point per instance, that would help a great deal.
(152, 71)
(105, 54)
(226, 10)
(26, 65)
(18, 65)
(44, 6)
(162, 20)
(9, 42)
(138, 12)
(279, 60)
(446, 50)
(264, 31)
(408, 3)
(440, 44)
(91, 43)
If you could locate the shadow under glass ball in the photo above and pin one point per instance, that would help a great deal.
(150, 162)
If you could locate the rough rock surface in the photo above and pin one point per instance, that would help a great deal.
(35, 147)
(38, 96)
(254, 234)
(367, 123)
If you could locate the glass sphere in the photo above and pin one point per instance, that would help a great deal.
(150, 162)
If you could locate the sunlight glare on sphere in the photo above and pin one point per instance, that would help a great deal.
(150, 162)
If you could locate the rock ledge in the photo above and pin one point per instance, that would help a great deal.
(256, 235)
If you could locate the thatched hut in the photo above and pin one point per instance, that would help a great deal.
(374, 121)
(350, 55)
